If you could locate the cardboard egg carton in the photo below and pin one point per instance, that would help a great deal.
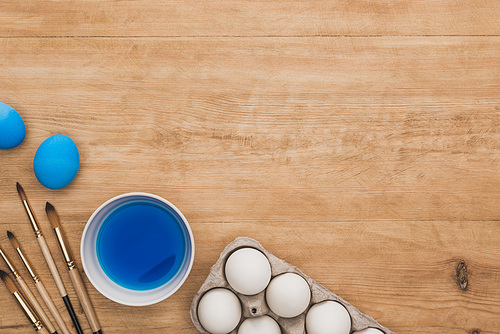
(255, 305)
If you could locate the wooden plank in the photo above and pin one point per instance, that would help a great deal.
(278, 129)
(248, 18)
(401, 273)
(313, 146)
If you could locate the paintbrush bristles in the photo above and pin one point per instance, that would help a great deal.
(8, 281)
(21, 192)
(13, 239)
(52, 215)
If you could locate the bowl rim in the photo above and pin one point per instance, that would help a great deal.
(132, 301)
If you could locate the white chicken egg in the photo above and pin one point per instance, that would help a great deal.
(219, 311)
(369, 331)
(248, 271)
(328, 317)
(288, 295)
(260, 325)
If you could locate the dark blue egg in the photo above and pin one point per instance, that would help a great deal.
(56, 162)
(12, 128)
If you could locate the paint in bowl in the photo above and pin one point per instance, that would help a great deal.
(137, 249)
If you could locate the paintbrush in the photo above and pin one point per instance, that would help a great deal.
(29, 295)
(39, 284)
(74, 273)
(48, 258)
(32, 316)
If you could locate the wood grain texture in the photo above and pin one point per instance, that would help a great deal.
(357, 140)
(269, 129)
(401, 273)
(247, 18)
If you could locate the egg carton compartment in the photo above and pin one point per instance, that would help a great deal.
(254, 306)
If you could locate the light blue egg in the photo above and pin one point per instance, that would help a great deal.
(12, 128)
(56, 162)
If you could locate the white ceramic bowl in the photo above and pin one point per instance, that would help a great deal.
(108, 287)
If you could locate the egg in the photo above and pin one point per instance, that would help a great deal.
(248, 271)
(328, 317)
(288, 295)
(12, 128)
(56, 161)
(369, 331)
(260, 325)
(219, 311)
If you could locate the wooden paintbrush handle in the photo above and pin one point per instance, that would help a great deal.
(83, 295)
(38, 308)
(42, 330)
(52, 307)
(52, 266)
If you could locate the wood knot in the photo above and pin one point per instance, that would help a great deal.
(462, 280)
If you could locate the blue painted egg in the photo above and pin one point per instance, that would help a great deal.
(56, 161)
(12, 128)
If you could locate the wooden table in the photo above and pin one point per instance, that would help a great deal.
(357, 140)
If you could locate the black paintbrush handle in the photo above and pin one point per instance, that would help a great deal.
(98, 332)
(72, 314)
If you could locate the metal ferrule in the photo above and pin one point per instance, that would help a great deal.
(30, 313)
(65, 251)
(31, 216)
(27, 265)
(11, 267)
(38, 325)
(71, 265)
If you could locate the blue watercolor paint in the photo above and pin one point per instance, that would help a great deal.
(141, 245)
